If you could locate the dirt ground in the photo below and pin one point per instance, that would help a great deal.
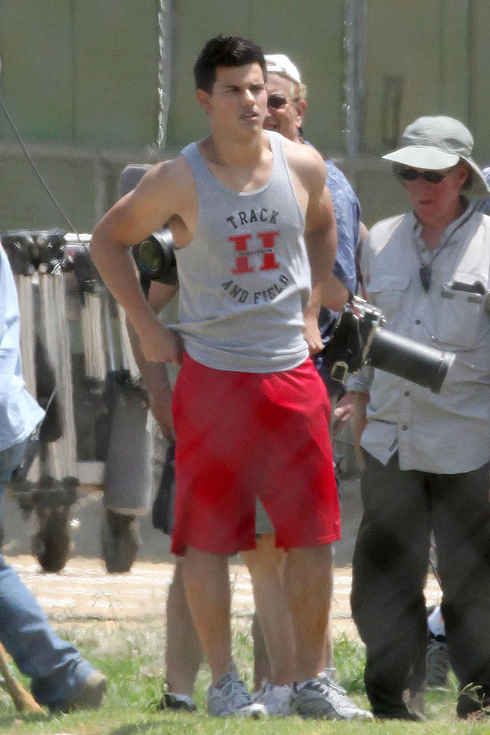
(85, 593)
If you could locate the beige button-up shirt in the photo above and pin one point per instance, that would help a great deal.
(449, 432)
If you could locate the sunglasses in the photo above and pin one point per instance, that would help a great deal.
(412, 174)
(276, 101)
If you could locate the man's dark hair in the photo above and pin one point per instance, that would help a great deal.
(225, 51)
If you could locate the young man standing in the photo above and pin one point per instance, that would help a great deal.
(255, 236)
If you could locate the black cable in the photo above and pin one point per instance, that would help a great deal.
(35, 169)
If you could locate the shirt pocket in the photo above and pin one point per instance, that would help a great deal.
(387, 291)
(458, 318)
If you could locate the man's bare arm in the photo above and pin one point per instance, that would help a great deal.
(155, 200)
(154, 374)
(321, 243)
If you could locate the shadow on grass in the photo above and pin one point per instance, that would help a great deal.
(13, 719)
(152, 726)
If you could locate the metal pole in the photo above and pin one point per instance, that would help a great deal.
(164, 69)
(354, 48)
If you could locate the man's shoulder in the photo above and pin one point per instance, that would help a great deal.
(383, 232)
(174, 173)
(302, 155)
(169, 167)
(387, 226)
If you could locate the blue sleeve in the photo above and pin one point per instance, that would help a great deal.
(484, 204)
(347, 216)
(9, 319)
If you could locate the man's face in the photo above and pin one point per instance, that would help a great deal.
(287, 117)
(237, 103)
(432, 201)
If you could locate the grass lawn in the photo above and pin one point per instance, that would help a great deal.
(132, 658)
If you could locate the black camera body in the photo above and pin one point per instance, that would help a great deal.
(360, 338)
(155, 257)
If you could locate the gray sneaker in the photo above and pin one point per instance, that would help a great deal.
(437, 662)
(322, 698)
(275, 698)
(90, 695)
(229, 697)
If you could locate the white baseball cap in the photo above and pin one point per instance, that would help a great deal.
(282, 65)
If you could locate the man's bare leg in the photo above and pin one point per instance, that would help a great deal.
(183, 654)
(329, 663)
(262, 667)
(265, 564)
(308, 583)
(207, 588)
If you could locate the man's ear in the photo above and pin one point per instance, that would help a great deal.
(203, 99)
(301, 107)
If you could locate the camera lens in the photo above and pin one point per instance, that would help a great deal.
(155, 257)
(150, 258)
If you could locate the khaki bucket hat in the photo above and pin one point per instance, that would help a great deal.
(438, 142)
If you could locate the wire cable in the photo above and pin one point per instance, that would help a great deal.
(35, 168)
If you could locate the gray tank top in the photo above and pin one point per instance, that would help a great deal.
(245, 277)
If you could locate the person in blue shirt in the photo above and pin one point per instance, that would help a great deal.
(60, 678)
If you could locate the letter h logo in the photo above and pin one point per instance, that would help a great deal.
(242, 263)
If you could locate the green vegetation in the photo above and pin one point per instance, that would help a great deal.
(132, 658)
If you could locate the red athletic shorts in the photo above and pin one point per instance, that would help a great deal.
(245, 434)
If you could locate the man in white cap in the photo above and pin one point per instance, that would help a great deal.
(274, 654)
(427, 455)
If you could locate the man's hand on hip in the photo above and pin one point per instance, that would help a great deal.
(312, 333)
(160, 344)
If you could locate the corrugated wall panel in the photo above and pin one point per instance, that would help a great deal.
(116, 66)
(194, 23)
(24, 203)
(479, 87)
(311, 34)
(403, 74)
(84, 73)
(36, 51)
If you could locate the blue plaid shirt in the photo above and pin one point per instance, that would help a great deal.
(347, 212)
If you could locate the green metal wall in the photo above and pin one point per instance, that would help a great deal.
(81, 71)
(80, 79)
(311, 32)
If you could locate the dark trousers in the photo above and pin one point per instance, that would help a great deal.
(400, 508)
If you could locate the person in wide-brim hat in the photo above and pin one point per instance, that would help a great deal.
(435, 143)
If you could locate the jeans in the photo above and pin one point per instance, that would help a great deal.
(400, 509)
(57, 670)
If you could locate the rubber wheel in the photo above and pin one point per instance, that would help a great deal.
(51, 544)
(120, 541)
